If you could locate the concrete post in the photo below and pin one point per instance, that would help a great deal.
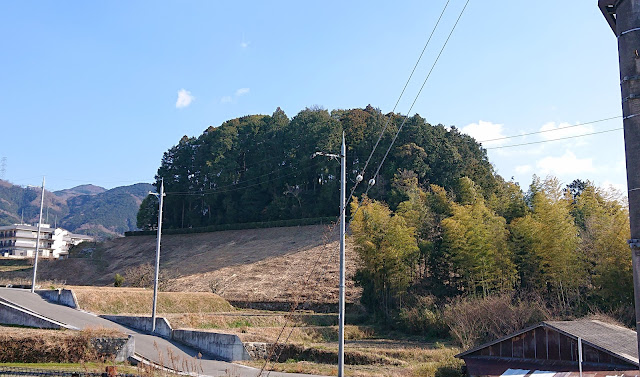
(624, 18)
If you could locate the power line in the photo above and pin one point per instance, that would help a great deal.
(555, 129)
(418, 95)
(363, 171)
(561, 138)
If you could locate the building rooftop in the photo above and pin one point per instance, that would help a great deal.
(616, 340)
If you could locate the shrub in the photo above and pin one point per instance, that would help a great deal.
(473, 320)
(118, 280)
(423, 317)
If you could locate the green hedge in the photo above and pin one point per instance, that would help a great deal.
(217, 228)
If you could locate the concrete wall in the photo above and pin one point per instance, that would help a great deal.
(121, 349)
(64, 297)
(13, 315)
(225, 346)
(163, 327)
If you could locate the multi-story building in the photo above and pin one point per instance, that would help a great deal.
(19, 241)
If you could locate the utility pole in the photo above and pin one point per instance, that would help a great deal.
(624, 18)
(343, 186)
(155, 282)
(343, 190)
(35, 259)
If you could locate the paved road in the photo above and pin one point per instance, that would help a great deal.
(159, 350)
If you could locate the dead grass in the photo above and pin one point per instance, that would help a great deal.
(242, 265)
(308, 335)
(410, 360)
(109, 300)
(249, 319)
(42, 346)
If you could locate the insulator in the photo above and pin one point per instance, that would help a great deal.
(359, 178)
(372, 182)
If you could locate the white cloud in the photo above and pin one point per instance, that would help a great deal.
(242, 91)
(567, 164)
(226, 99)
(551, 131)
(244, 44)
(485, 132)
(184, 99)
(621, 187)
(523, 169)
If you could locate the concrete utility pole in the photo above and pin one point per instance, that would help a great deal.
(624, 18)
(343, 193)
(155, 282)
(35, 259)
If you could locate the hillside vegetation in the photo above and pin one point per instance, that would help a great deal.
(260, 168)
(83, 209)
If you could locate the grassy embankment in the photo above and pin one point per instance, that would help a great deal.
(311, 338)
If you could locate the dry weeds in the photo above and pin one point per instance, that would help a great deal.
(110, 300)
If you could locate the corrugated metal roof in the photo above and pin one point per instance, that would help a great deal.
(617, 340)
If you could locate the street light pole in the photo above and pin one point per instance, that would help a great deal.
(343, 191)
(155, 282)
(35, 260)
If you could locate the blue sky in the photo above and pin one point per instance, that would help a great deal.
(95, 92)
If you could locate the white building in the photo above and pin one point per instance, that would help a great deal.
(19, 241)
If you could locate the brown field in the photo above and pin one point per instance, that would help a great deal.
(270, 265)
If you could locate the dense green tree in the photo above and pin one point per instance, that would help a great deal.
(476, 239)
(259, 167)
(545, 243)
(147, 217)
(604, 237)
(388, 250)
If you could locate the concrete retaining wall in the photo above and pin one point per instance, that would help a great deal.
(163, 327)
(225, 346)
(258, 350)
(64, 297)
(121, 349)
(13, 315)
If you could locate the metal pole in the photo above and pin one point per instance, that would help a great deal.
(155, 282)
(624, 18)
(580, 355)
(35, 260)
(343, 186)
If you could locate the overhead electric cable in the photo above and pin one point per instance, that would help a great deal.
(561, 138)
(551, 130)
(384, 128)
(417, 95)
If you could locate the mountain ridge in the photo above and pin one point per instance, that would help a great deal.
(86, 209)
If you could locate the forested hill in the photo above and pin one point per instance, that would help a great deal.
(259, 167)
(86, 209)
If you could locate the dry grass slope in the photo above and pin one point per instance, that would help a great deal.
(139, 301)
(241, 265)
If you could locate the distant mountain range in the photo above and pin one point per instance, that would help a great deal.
(85, 209)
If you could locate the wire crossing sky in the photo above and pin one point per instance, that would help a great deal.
(97, 92)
